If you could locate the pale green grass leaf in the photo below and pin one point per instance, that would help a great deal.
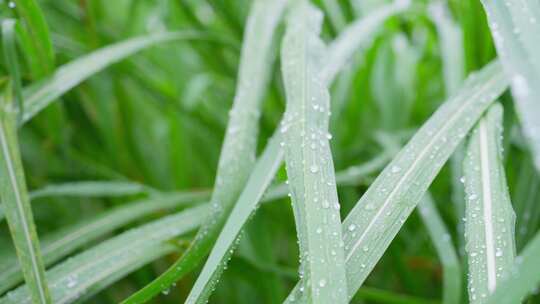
(61, 243)
(310, 167)
(13, 186)
(383, 209)
(489, 229)
(515, 27)
(113, 258)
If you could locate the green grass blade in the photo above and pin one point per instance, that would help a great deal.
(515, 27)
(61, 243)
(522, 279)
(90, 189)
(310, 167)
(263, 173)
(525, 201)
(63, 240)
(40, 48)
(13, 190)
(115, 257)
(440, 236)
(379, 214)
(249, 201)
(489, 228)
(451, 46)
(355, 36)
(39, 95)
(10, 54)
(335, 14)
(239, 147)
(453, 60)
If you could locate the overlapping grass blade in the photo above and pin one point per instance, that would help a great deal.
(249, 201)
(310, 167)
(113, 258)
(59, 244)
(13, 187)
(238, 149)
(442, 241)
(515, 27)
(379, 214)
(489, 228)
(35, 36)
(90, 189)
(522, 279)
(352, 176)
(61, 241)
(40, 94)
(263, 173)
(357, 35)
(440, 236)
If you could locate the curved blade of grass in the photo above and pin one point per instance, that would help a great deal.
(489, 228)
(355, 36)
(310, 168)
(442, 241)
(445, 249)
(40, 94)
(515, 27)
(522, 279)
(65, 241)
(262, 174)
(59, 244)
(239, 147)
(351, 176)
(40, 48)
(62, 241)
(249, 201)
(13, 188)
(115, 257)
(90, 189)
(379, 214)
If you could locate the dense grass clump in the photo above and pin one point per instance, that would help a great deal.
(269, 151)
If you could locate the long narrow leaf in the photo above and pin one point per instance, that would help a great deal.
(521, 279)
(89, 189)
(357, 35)
(379, 214)
(440, 236)
(262, 175)
(351, 176)
(40, 50)
(39, 95)
(515, 27)
(63, 242)
(13, 191)
(335, 14)
(239, 147)
(310, 167)
(489, 228)
(113, 258)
